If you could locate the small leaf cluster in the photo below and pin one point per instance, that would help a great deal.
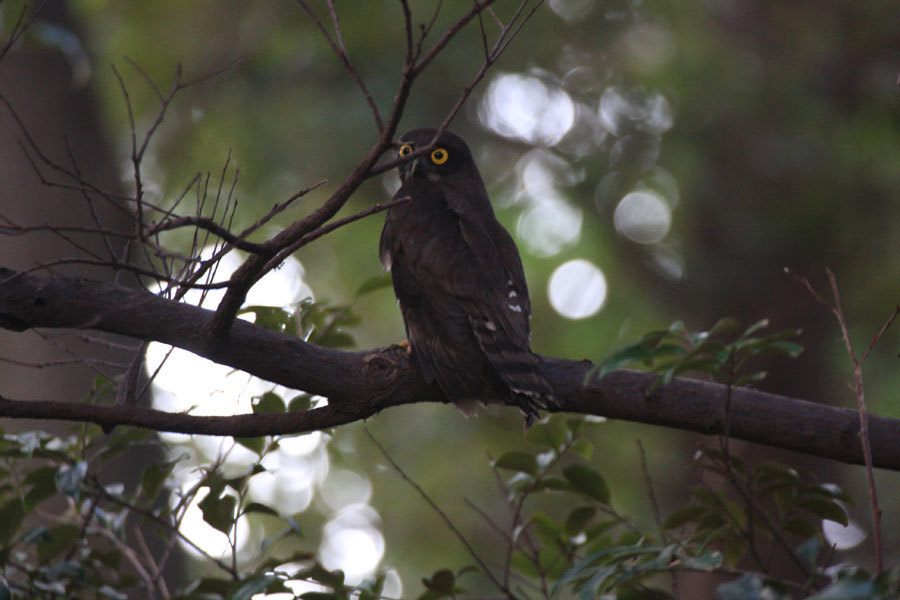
(588, 547)
(66, 531)
(318, 322)
(719, 352)
(745, 510)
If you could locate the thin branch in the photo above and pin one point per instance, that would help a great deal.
(21, 27)
(325, 229)
(863, 422)
(338, 48)
(881, 332)
(862, 411)
(456, 532)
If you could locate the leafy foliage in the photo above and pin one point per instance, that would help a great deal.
(676, 351)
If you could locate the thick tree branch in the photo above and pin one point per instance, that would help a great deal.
(360, 384)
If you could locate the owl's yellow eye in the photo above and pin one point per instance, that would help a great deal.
(405, 149)
(439, 156)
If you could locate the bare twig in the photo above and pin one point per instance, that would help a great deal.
(456, 532)
(856, 364)
(337, 46)
(21, 26)
(881, 332)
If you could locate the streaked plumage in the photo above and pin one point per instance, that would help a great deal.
(459, 281)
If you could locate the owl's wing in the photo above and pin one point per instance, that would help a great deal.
(500, 311)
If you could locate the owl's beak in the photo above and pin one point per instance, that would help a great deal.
(408, 170)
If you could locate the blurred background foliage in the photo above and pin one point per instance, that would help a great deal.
(688, 152)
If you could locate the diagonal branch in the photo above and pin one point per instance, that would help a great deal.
(361, 384)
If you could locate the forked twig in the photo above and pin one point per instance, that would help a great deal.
(484, 567)
(838, 312)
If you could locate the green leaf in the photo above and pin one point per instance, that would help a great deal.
(70, 477)
(258, 507)
(11, 516)
(801, 527)
(583, 448)
(43, 482)
(269, 403)
(724, 326)
(251, 586)
(59, 540)
(824, 508)
(219, 512)
(549, 531)
(300, 403)
(685, 515)
(254, 444)
(373, 284)
(442, 582)
(156, 474)
(518, 461)
(578, 519)
(587, 481)
(551, 434)
(272, 318)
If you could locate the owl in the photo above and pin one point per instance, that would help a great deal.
(459, 282)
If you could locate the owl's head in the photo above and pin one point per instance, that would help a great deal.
(449, 155)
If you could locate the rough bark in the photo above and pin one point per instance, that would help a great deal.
(360, 384)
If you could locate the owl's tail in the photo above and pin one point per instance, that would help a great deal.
(519, 369)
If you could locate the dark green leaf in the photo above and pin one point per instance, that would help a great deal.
(583, 448)
(587, 481)
(518, 461)
(254, 444)
(724, 326)
(373, 284)
(270, 317)
(251, 586)
(268, 403)
(442, 582)
(549, 531)
(156, 474)
(43, 482)
(824, 508)
(300, 403)
(551, 434)
(801, 527)
(219, 512)
(578, 519)
(258, 507)
(685, 515)
(59, 540)
(11, 516)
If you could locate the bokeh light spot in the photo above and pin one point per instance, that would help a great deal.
(623, 111)
(352, 542)
(643, 217)
(548, 227)
(577, 289)
(843, 538)
(523, 107)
